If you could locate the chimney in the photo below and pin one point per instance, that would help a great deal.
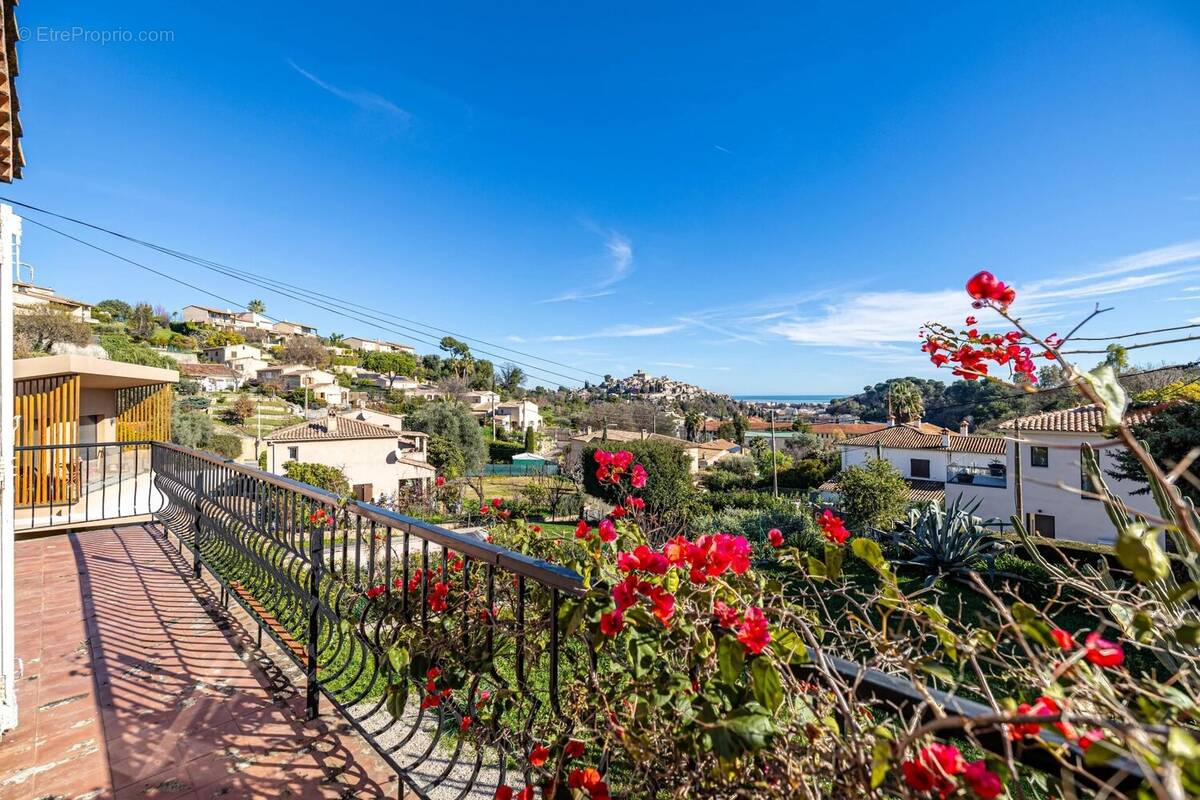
(331, 423)
(964, 427)
(946, 439)
(891, 420)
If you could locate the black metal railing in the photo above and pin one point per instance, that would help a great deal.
(56, 485)
(343, 587)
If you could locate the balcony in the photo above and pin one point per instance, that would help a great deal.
(992, 476)
(242, 642)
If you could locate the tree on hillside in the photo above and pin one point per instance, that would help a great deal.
(242, 408)
(44, 326)
(223, 338)
(141, 321)
(454, 422)
(446, 457)
(511, 378)
(1169, 435)
(305, 350)
(693, 423)
(905, 401)
(335, 339)
(483, 374)
(256, 307)
(530, 440)
(740, 423)
(117, 309)
(873, 495)
(391, 364)
(460, 354)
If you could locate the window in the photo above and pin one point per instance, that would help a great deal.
(293, 454)
(919, 468)
(1043, 525)
(1039, 456)
(1085, 483)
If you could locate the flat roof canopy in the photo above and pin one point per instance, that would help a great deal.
(94, 373)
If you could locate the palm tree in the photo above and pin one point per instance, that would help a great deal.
(905, 401)
(335, 339)
(256, 306)
(511, 377)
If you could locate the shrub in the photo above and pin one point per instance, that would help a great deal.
(454, 422)
(730, 473)
(190, 428)
(798, 528)
(669, 488)
(872, 495)
(226, 444)
(502, 452)
(948, 541)
(323, 476)
(121, 348)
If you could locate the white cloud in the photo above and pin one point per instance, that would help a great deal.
(619, 266)
(618, 332)
(367, 101)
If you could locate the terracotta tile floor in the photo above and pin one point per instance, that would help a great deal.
(136, 684)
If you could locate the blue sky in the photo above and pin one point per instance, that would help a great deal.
(756, 198)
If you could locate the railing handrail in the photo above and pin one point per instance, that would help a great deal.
(552, 575)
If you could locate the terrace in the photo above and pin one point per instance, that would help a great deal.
(232, 644)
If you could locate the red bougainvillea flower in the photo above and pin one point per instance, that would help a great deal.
(664, 605)
(318, 517)
(497, 502)
(573, 749)
(1102, 652)
(753, 633)
(538, 755)
(1043, 706)
(981, 285)
(627, 562)
(638, 477)
(375, 591)
(484, 510)
(775, 536)
(917, 777)
(603, 458)
(535, 528)
(1090, 737)
(725, 615)
(1063, 639)
(465, 724)
(971, 320)
(983, 782)
(589, 780)
(833, 527)
(608, 531)
(503, 793)
(946, 757)
(440, 480)
(527, 793)
(611, 623)
(437, 596)
(621, 460)
(603, 474)
(636, 503)
(582, 529)
(617, 512)
(676, 550)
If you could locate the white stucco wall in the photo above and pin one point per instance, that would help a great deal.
(362, 460)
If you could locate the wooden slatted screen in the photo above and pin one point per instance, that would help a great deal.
(48, 414)
(144, 413)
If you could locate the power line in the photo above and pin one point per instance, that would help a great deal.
(270, 284)
(1133, 335)
(530, 370)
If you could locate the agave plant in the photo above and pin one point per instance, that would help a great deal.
(949, 541)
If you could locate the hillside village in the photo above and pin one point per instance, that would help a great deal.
(386, 424)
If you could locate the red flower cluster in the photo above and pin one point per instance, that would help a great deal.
(626, 593)
(538, 755)
(1042, 707)
(644, 559)
(833, 526)
(434, 696)
(1101, 652)
(709, 556)
(775, 537)
(440, 480)
(753, 633)
(726, 615)
(590, 780)
(970, 351)
(496, 509)
(984, 287)
(320, 517)
(935, 767)
(438, 595)
(376, 591)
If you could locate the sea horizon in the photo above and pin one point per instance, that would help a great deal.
(786, 398)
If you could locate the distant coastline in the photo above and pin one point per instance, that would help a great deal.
(786, 398)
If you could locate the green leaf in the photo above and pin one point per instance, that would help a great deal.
(788, 647)
(397, 698)
(750, 726)
(1188, 634)
(398, 659)
(1138, 551)
(731, 657)
(570, 615)
(1103, 380)
(834, 556)
(938, 671)
(765, 684)
(1181, 746)
(816, 569)
(868, 550)
(641, 655)
(881, 762)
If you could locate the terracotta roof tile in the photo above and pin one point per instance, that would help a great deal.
(906, 438)
(1081, 419)
(207, 371)
(918, 491)
(347, 428)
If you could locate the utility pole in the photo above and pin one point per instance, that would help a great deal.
(493, 399)
(774, 463)
(1018, 489)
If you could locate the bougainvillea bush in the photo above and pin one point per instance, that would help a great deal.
(693, 666)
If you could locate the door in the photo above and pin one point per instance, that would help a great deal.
(1043, 525)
